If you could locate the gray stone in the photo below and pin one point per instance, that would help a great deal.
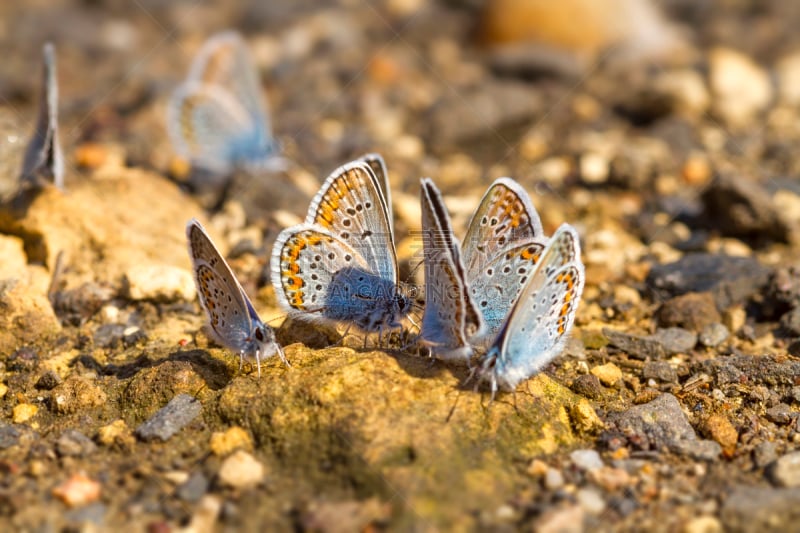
(785, 471)
(765, 510)
(9, 436)
(729, 279)
(713, 334)
(659, 370)
(93, 513)
(635, 346)
(170, 419)
(764, 454)
(194, 488)
(48, 381)
(675, 340)
(661, 423)
(109, 335)
(780, 414)
(73, 443)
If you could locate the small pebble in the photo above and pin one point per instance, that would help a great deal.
(608, 374)
(713, 334)
(588, 385)
(586, 460)
(73, 443)
(703, 524)
(160, 283)
(48, 381)
(610, 478)
(590, 500)
(564, 520)
(117, 433)
(24, 412)
(235, 438)
(170, 419)
(659, 370)
(720, 429)
(241, 471)
(553, 479)
(9, 436)
(78, 490)
(193, 488)
(785, 471)
(764, 454)
(780, 414)
(3, 390)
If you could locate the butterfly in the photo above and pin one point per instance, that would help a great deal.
(340, 265)
(537, 326)
(217, 118)
(469, 290)
(232, 318)
(44, 160)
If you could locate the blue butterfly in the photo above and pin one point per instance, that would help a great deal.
(217, 118)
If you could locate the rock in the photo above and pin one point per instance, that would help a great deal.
(206, 515)
(731, 280)
(740, 87)
(482, 112)
(720, 429)
(755, 370)
(785, 471)
(734, 318)
(586, 460)
(590, 500)
(240, 470)
(109, 335)
(692, 311)
(703, 524)
(788, 71)
(193, 488)
(662, 424)
(784, 288)
(564, 520)
(675, 340)
(9, 436)
(170, 419)
(593, 168)
(713, 334)
(301, 414)
(686, 89)
(584, 418)
(659, 370)
(78, 490)
(344, 516)
(27, 316)
(234, 438)
(73, 443)
(790, 322)
(553, 479)
(116, 434)
(154, 386)
(159, 283)
(761, 509)
(611, 479)
(48, 381)
(662, 344)
(76, 394)
(24, 412)
(93, 513)
(741, 207)
(608, 374)
(764, 454)
(588, 385)
(780, 414)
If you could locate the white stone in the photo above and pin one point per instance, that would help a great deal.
(741, 88)
(159, 282)
(241, 471)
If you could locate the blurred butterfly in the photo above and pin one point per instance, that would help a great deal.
(217, 118)
(44, 160)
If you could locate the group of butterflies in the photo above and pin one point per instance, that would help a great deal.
(507, 296)
(503, 301)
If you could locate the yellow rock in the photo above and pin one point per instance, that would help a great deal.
(608, 374)
(24, 412)
(117, 433)
(3, 390)
(234, 438)
(584, 416)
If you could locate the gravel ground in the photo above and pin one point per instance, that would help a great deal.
(675, 406)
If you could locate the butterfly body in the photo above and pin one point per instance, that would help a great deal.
(233, 322)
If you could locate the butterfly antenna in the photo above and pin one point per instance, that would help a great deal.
(452, 409)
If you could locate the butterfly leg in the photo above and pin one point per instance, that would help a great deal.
(241, 361)
(258, 362)
(282, 355)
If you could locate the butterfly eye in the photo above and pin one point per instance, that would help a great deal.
(259, 335)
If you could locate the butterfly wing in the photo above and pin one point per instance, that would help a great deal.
(504, 217)
(450, 316)
(350, 206)
(304, 262)
(208, 126)
(43, 157)
(378, 166)
(230, 313)
(538, 324)
(225, 61)
(495, 287)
